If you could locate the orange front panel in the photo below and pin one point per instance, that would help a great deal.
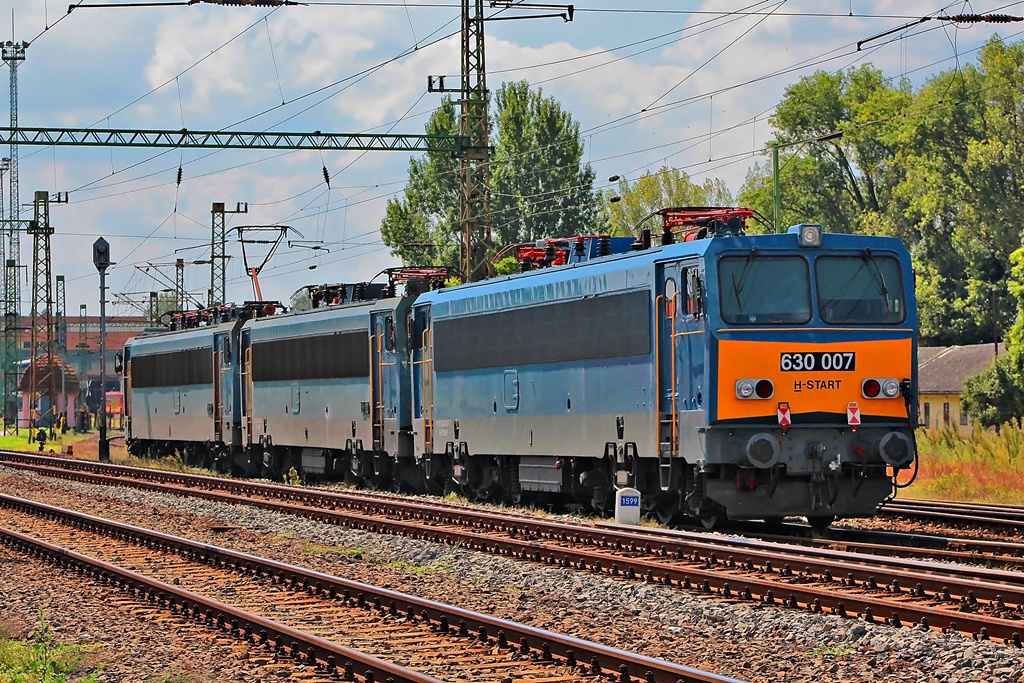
(817, 391)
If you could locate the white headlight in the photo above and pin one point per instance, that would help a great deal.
(890, 388)
(744, 389)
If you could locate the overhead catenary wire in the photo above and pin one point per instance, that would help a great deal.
(311, 190)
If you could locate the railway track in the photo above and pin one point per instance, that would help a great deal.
(982, 602)
(979, 514)
(341, 628)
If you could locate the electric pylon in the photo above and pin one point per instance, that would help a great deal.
(42, 302)
(62, 318)
(179, 284)
(218, 253)
(13, 54)
(83, 345)
(474, 162)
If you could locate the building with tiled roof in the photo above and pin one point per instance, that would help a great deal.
(941, 372)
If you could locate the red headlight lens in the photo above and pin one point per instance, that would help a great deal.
(871, 388)
(764, 388)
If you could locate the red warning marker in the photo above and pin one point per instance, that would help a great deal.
(785, 417)
(853, 414)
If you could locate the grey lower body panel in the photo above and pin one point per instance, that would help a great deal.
(840, 497)
(546, 435)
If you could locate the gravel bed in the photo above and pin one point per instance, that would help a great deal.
(746, 641)
(906, 525)
(136, 645)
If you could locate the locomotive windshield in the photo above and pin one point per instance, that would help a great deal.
(759, 290)
(865, 289)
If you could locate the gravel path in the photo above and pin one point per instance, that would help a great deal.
(748, 642)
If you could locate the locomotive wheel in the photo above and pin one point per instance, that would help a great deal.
(708, 520)
(667, 512)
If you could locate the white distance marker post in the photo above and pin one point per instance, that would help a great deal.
(627, 506)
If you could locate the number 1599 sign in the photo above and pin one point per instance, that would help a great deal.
(816, 361)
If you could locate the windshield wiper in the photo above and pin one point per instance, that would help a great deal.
(868, 257)
(738, 287)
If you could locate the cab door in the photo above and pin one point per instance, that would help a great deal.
(385, 369)
(222, 387)
(681, 353)
(422, 378)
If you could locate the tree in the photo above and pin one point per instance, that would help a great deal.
(542, 188)
(667, 187)
(539, 184)
(422, 228)
(995, 396)
(844, 174)
(962, 147)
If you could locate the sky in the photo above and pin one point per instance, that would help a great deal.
(652, 83)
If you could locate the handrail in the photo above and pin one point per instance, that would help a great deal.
(657, 363)
(218, 407)
(247, 387)
(429, 424)
(675, 389)
(674, 435)
(127, 390)
(380, 385)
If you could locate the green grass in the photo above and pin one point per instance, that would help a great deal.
(830, 650)
(42, 659)
(21, 442)
(442, 565)
(176, 677)
(322, 550)
(986, 467)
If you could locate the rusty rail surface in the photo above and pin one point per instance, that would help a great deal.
(542, 645)
(929, 595)
(980, 514)
(298, 645)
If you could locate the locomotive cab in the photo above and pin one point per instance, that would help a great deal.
(812, 348)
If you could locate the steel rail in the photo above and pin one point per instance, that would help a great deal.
(601, 658)
(971, 514)
(257, 630)
(523, 542)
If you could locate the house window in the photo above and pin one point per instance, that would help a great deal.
(927, 414)
(945, 413)
(963, 416)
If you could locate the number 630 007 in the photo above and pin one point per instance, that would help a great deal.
(817, 361)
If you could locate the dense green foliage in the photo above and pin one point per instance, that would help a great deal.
(540, 186)
(667, 187)
(939, 167)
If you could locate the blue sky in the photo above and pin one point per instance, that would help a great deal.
(708, 75)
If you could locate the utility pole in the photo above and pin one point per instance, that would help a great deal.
(62, 340)
(179, 284)
(776, 187)
(42, 302)
(13, 54)
(83, 348)
(475, 162)
(101, 259)
(474, 152)
(218, 253)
